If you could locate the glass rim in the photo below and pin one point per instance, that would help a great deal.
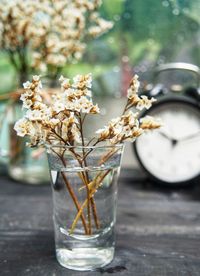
(49, 146)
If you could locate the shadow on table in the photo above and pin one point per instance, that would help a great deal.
(140, 181)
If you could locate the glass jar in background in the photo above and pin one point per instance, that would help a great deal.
(27, 165)
(4, 139)
(22, 163)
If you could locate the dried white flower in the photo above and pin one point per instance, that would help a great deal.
(134, 87)
(24, 127)
(140, 102)
(148, 122)
(27, 85)
(61, 120)
(58, 106)
(144, 102)
(36, 78)
(121, 128)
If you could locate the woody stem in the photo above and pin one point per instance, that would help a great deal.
(72, 194)
(86, 182)
(85, 202)
(74, 198)
(104, 159)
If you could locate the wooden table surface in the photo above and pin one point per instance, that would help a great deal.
(158, 231)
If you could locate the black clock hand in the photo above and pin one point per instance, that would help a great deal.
(172, 140)
(191, 136)
(165, 135)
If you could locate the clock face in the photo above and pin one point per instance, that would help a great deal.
(172, 153)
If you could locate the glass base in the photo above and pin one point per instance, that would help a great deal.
(31, 175)
(85, 259)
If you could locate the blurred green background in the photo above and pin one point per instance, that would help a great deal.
(145, 33)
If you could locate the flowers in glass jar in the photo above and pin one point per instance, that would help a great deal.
(52, 33)
(64, 27)
(59, 124)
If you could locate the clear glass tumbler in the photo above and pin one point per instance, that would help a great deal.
(84, 184)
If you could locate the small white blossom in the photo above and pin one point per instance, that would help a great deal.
(27, 85)
(23, 127)
(65, 83)
(27, 103)
(145, 103)
(148, 122)
(34, 115)
(36, 78)
(58, 106)
(134, 87)
(54, 122)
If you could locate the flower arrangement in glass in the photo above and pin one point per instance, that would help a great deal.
(42, 36)
(84, 172)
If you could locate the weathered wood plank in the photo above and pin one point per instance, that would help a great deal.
(158, 232)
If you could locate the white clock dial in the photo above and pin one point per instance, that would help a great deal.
(172, 153)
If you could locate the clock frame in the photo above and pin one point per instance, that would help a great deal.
(161, 102)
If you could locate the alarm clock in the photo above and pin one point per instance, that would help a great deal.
(171, 155)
